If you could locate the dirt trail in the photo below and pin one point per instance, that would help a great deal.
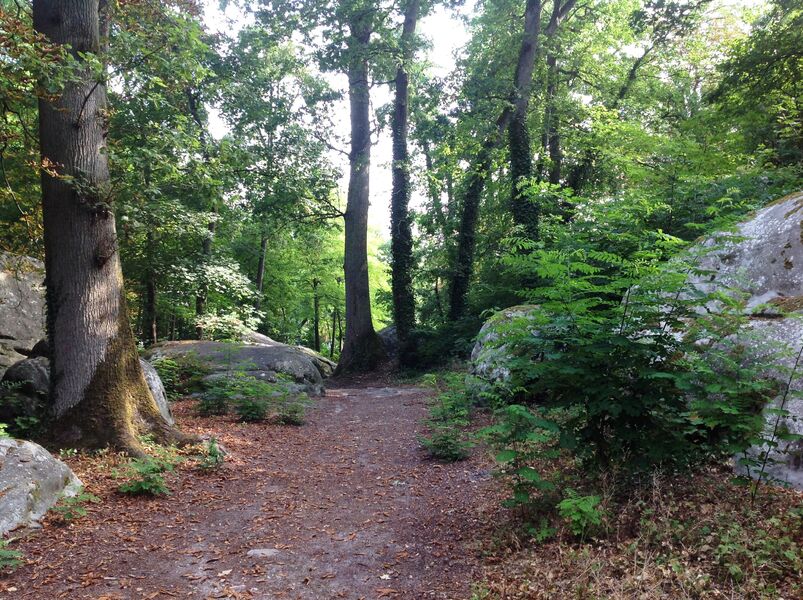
(346, 506)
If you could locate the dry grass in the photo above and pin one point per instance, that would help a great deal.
(681, 538)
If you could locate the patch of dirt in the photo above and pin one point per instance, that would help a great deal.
(346, 506)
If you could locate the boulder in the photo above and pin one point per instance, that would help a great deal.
(22, 307)
(269, 361)
(323, 364)
(157, 391)
(31, 482)
(491, 359)
(26, 390)
(763, 257)
(390, 340)
(31, 378)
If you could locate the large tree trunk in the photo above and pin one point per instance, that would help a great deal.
(525, 212)
(362, 349)
(401, 245)
(98, 392)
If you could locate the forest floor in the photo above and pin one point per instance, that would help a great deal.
(345, 506)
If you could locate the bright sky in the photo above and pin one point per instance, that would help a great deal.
(446, 33)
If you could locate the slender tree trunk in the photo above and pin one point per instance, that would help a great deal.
(401, 231)
(362, 349)
(316, 305)
(206, 246)
(263, 250)
(551, 121)
(332, 340)
(149, 321)
(525, 212)
(478, 173)
(98, 393)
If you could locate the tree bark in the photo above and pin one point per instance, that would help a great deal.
(478, 173)
(401, 245)
(260, 283)
(206, 245)
(98, 393)
(362, 349)
(316, 307)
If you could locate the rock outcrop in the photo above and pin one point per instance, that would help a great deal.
(258, 356)
(22, 307)
(764, 258)
(31, 482)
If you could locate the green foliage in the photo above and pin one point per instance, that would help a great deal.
(71, 508)
(181, 375)
(9, 559)
(145, 476)
(520, 436)
(582, 513)
(212, 456)
(449, 415)
(3, 430)
(253, 399)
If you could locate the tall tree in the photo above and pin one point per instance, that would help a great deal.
(400, 219)
(513, 115)
(362, 348)
(99, 395)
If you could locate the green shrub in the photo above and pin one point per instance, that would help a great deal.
(145, 476)
(181, 375)
(9, 559)
(71, 508)
(293, 411)
(253, 399)
(582, 513)
(449, 415)
(212, 456)
(251, 409)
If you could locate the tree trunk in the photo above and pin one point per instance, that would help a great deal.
(551, 120)
(149, 318)
(206, 246)
(478, 173)
(525, 212)
(362, 349)
(98, 393)
(263, 250)
(316, 306)
(401, 245)
(332, 340)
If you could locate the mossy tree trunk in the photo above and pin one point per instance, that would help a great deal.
(98, 392)
(400, 220)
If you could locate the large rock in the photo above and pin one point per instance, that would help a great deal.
(268, 360)
(390, 341)
(157, 391)
(492, 359)
(22, 307)
(28, 395)
(31, 482)
(763, 258)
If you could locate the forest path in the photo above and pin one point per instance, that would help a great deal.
(346, 506)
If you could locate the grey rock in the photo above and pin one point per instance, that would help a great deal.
(390, 340)
(22, 307)
(157, 391)
(263, 553)
(491, 358)
(31, 482)
(763, 258)
(323, 364)
(264, 361)
(27, 397)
